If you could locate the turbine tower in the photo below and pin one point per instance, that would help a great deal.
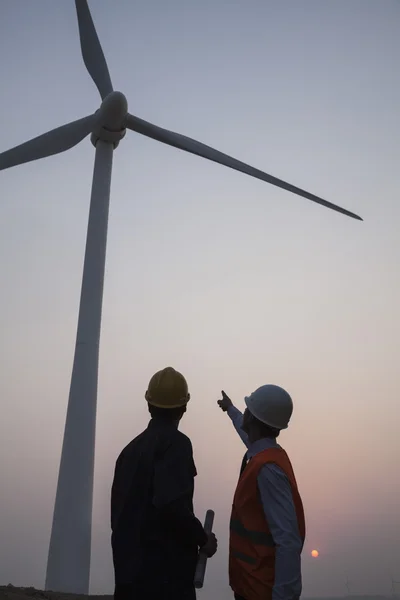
(348, 586)
(68, 566)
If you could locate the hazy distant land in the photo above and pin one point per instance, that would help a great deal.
(9, 592)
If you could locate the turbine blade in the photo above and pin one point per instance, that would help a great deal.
(189, 145)
(53, 142)
(92, 52)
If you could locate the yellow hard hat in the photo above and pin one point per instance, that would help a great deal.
(167, 389)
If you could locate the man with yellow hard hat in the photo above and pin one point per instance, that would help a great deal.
(267, 526)
(155, 535)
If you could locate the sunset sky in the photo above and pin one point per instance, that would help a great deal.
(229, 280)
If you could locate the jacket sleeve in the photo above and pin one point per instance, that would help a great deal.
(237, 419)
(115, 495)
(277, 500)
(185, 526)
(172, 492)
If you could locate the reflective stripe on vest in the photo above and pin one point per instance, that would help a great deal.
(244, 557)
(258, 538)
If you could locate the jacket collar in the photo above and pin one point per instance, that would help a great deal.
(260, 446)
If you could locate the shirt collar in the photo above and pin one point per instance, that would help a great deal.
(260, 446)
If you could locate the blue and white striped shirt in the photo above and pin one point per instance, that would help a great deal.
(277, 500)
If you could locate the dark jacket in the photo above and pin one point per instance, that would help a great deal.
(155, 534)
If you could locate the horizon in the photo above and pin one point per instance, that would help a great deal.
(201, 592)
(230, 280)
(359, 596)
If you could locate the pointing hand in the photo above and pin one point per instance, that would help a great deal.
(225, 403)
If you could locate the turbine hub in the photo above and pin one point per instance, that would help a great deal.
(110, 119)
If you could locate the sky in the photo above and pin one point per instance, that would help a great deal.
(228, 279)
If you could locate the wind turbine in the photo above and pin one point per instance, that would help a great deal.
(68, 564)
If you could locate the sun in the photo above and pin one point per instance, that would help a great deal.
(314, 553)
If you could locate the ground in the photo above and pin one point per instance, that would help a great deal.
(10, 592)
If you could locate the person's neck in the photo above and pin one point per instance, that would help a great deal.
(256, 438)
(162, 420)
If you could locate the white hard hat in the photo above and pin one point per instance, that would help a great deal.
(271, 405)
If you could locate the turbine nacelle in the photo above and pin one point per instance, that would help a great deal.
(110, 119)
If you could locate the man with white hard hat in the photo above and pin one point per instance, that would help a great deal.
(267, 527)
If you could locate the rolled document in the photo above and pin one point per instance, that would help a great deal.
(202, 560)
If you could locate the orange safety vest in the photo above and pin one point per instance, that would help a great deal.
(251, 547)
